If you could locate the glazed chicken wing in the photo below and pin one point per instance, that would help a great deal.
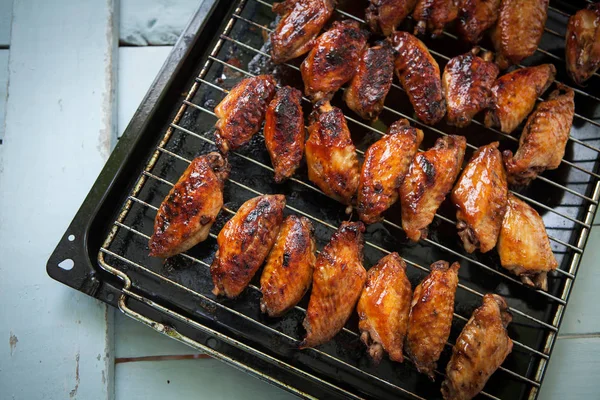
(429, 179)
(338, 280)
(583, 43)
(301, 21)
(523, 245)
(419, 75)
(185, 216)
(242, 111)
(386, 163)
(244, 243)
(384, 16)
(433, 15)
(475, 17)
(383, 308)
(468, 81)
(480, 349)
(431, 313)
(514, 95)
(289, 269)
(544, 138)
(480, 197)
(333, 60)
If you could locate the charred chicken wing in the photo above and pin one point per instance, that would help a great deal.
(433, 15)
(583, 43)
(384, 16)
(475, 17)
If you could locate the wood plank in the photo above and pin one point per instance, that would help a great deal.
(6, 7)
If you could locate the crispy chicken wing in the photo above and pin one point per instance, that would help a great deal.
(514, 95)
(185, 216)
(386, 163)
(475, 17)
(244, 243)
(480, 349)
(429, 179)
(468, 81)
(431, 313)
(333, 60)
(523, 245)
(338, 281)
(242, 111)
(480, 197)
(383, 308)
(289, 269)
(301, 21)
(434, 15)
(583, 43)
(384, 16)
(544, 138)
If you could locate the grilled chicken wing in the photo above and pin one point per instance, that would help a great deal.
(185, 216)
(433, 15)
(383, 308)
(242, 111)
(419, 75)
(514, 95)
(523, 244)
(480, 197)
(285, 132)
(475, 17)
(429, 179)
(468, 81)
(333, 60)
(544, 138)
(289, 269)
(301, 21)
(244, 243)
(331, 156)
(386, 163)
(369, 87)
(384, 16)
(518, 30)
(480, 349)
(431, 315)
(338, 281)
(583, 43)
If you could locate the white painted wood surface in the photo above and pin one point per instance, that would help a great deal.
(6, 7)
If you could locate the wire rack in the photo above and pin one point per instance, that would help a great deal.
(566, 198)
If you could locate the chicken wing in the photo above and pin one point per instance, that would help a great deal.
(369, 87)
(386, 163)
(429, 179)
(285, 132)
(301, 21)
(583, 43)
(242, 111)
(480, 197)
(338, 280)
(544, 138)
(331, 156)
(434, 15)
(431, 313)
(383, 308)
(523, 244)
(468, 81)
(289, 269)
(185, 216)
(244, 243)
(333, 60)
(419, 75)
(480, 349)
(384, 16)
(475, 17)
(514, 95)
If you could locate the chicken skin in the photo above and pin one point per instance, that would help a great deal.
(431, 313)
(419, 75)
(333, 60)
(544, 138)
(480, 197)
(475, 17)
(369, 87)
(301, 21)
(244, 243)
(338, 281)
(582, 47)
(185, 216)
(523, 245)
(384, 16)
(242, 111)
(429, 179)
(434, 15)
(383, 308)
(468, 81)
(514, 95)
(285, 132)
(289, 269)
(480, 349)
(331, 156)
(386, 163)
